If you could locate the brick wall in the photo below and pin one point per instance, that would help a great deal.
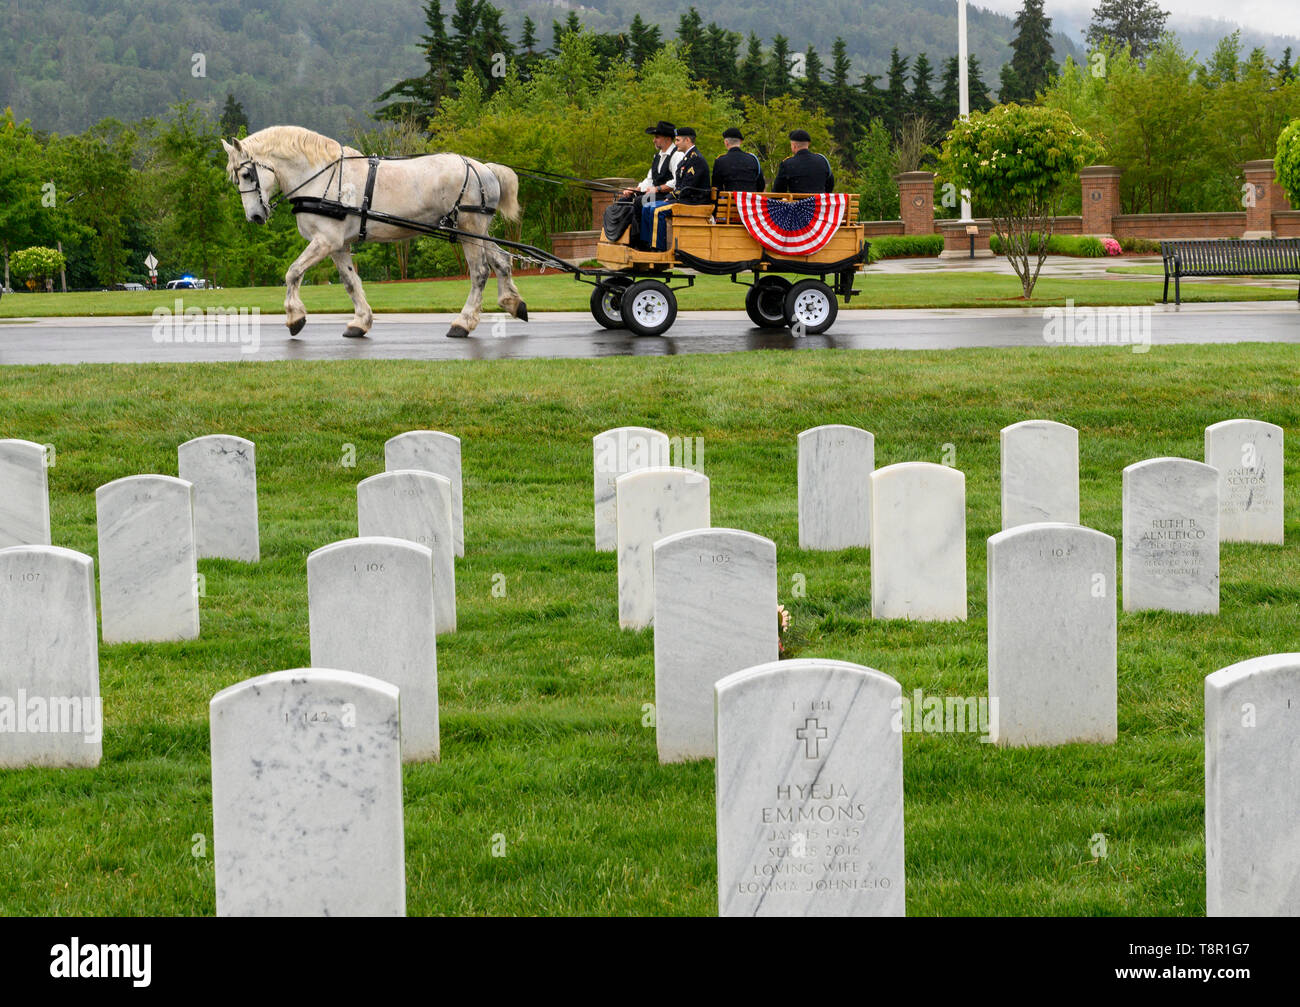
(1101, 203)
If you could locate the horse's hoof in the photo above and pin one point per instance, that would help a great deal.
(457, 332)
(352, 332)
(296, 327)
(521, 312)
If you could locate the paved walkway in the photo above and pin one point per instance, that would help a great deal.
(575, 334)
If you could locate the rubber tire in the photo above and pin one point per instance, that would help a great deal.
(767, 292)
(643, 291)
(610, 319)
(827, 310)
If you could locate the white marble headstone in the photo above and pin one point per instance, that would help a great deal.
(50, 708)
(835, 466)
(652, 504)
(614, 453)
(307, 796)
(148, 565)
(1252, 800)
(1040, 473)
(24, 494)
(714, 614)
(1171, 536)
(223, 470)
(918, 542)
(1251, 464)
(371, 611)
(1051, 633)
(809, 791)
(439, 453)
(416, 506)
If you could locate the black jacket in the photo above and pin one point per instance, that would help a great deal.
(804, 172)
(693, 180)
(738, 171)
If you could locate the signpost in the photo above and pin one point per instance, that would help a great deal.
(151, 264)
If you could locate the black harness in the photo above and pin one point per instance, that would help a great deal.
(336, 209)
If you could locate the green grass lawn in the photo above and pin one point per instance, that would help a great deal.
(557, 292)
(542, 694)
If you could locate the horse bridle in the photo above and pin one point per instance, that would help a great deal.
(257, 185)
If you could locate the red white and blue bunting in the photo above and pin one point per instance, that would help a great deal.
(799, 227)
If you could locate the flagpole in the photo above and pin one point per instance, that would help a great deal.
(963, 87)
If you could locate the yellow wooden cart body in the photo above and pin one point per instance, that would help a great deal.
(717, 236)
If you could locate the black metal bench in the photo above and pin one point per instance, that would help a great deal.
(1260, 257)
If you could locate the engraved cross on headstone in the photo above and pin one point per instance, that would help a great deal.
(811, 734)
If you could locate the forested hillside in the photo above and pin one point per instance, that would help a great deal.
(66, 64)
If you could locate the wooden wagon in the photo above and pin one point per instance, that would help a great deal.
(634, 288)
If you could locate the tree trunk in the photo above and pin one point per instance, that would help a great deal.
(6, 251)
(63, 270)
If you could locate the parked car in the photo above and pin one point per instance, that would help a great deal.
(187, 283)
(129, 286)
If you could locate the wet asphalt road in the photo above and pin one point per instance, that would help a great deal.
(576, 335)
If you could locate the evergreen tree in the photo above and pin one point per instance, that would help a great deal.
(233, 117)
(751, 83)
(924, 101)
(690, 28)
(842, 101)
(1031, 55)
(528, 42)
(812, 87)
(1134, 23)
(896, 96)
(949, 100)
(418, 97)
(1285, 69)
(643, 41)
(981, 99)
(778, 67)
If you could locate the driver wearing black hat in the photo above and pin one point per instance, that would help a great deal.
(803, 171)
(737, 170)
(661, 177)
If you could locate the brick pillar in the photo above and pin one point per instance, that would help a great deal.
(1100, 199)
(600, 200)
(1268, 198)
(916, 201)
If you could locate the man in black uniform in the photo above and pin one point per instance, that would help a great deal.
(803, 171)
(737, 170)
(692, 184)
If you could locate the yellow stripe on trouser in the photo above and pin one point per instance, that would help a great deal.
(655, 236)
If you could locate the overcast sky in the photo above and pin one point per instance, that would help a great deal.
(1273, 16)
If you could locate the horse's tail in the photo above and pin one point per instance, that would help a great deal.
(508, 207)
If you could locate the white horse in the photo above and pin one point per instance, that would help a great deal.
(296, 162)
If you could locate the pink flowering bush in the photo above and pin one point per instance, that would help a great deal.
(1111, 246)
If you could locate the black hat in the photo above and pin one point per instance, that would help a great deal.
(686, 131)
(800, 136)
(732, 133)
(662, 129)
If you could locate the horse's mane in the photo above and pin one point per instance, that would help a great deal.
(291, 141)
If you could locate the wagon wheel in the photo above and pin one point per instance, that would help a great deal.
(812, 305)
(765, 302)
(649, 307)
(606, 302)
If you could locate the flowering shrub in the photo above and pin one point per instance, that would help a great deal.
(1015, 161)
(1287, 161)
(1111, 246)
